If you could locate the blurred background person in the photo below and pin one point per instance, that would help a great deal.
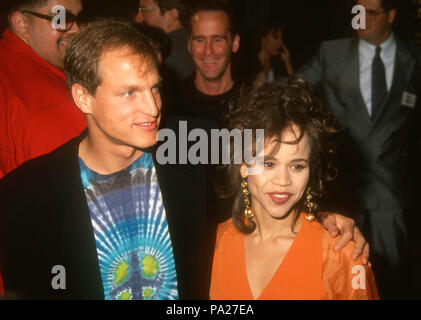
(158, 40)
(213, 40)
(372, 83)
(272, 59)
(170, 16)
(37, 113)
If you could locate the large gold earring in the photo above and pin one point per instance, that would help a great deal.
(309, 216)
(248, 212)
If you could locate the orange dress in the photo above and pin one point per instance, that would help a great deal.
(311, 270)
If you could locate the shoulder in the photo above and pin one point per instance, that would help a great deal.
(345, 278)
(337, 43)
(225, 229)
(28, 178)
(411, 48)
(341, 257)
(337, 47)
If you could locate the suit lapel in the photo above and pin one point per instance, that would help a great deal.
(350, 84)
(169, 178)
(74, 227)
(184, 193)
(404, 64)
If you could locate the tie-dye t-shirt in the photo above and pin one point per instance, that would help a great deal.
(131, 232)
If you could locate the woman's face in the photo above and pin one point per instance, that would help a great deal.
(272, 42)
(284, 178)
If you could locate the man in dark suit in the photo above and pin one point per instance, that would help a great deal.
(102, 216)
(372, 83)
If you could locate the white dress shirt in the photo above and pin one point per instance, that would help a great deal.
(367, 51)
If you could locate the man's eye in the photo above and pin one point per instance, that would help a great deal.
(156, 89)
(269, 164)
(128, 93)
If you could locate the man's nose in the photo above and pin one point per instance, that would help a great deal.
(139, 18)
(209, 48)
(75, 28)
(151, 105)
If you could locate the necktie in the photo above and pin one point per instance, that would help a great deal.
(378, 83)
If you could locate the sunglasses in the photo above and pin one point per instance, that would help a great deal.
(70, 19)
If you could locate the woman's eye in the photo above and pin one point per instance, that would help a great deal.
(298, 167)
(269, 164)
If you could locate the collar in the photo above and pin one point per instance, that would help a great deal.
(388, 48)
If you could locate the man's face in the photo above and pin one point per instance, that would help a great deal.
(211, 44)
(151, 14)
(126, 108)
(45, 40)
(378, 22)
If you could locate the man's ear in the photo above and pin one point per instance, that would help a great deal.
(82, 98)
(243, 170)
(19, 24)
(189, 45)
(171, 15)
(392, 15)
(236, 43)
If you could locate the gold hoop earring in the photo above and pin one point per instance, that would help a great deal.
(310, 205)
(248, 212)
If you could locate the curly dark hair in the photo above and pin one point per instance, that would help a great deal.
(275, 108)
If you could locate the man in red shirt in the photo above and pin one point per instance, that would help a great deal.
(37, 113)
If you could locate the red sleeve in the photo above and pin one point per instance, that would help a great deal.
(7, 162)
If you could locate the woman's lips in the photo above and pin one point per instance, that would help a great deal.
(280, 197)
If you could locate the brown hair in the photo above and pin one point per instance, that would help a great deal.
(214, 6)
(84, 51)
(275, 108)
(183, 7)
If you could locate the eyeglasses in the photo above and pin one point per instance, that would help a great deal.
(70, 20)
(145, 9)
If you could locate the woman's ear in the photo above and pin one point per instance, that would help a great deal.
(243, 171)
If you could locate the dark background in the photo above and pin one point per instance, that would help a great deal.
(306, 24)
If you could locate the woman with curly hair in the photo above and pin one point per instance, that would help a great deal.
(273, 247)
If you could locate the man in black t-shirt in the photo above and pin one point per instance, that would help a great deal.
(213, 40)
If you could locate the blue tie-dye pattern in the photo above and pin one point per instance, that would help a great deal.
(131, 232)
